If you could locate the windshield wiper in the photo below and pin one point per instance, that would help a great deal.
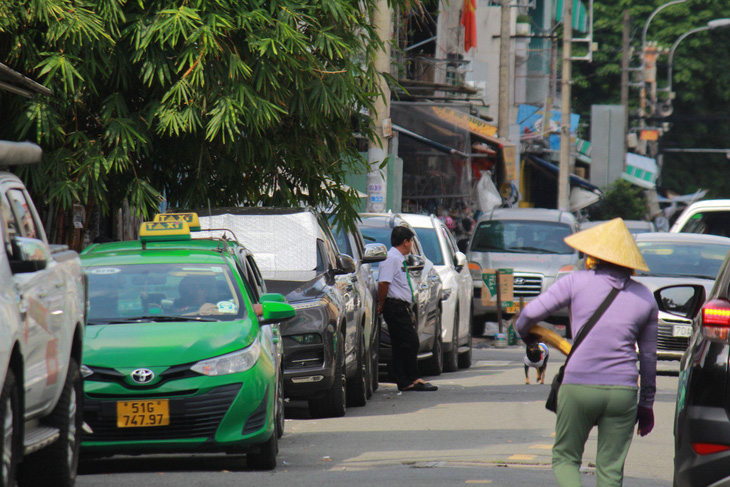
(696, 276)
(531, 250)
(156, 318)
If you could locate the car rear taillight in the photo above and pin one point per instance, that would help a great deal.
(476, 271)
(716, 319)
(709, 448)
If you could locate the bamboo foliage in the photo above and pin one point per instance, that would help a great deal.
(207, 102)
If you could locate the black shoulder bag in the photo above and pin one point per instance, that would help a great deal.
(552, 401)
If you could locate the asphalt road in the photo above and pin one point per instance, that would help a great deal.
(484, 426)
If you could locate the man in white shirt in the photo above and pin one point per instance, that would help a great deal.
(395, 302)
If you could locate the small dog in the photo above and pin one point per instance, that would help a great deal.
(536, 355)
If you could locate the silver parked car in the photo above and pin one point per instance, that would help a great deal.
(679, 259)
(363, 288)
(529, 241)
(427, 291)
(451, 265)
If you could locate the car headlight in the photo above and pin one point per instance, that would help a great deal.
(230, 363)
(309, 304)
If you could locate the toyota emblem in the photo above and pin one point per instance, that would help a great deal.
(143, 376)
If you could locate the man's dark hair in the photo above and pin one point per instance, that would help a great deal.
(399, 234)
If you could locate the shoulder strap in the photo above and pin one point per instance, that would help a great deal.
(592, 321)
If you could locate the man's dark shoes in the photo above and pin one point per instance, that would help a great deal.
(420, 386)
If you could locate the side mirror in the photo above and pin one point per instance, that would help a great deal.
(274, 312)
(459, 261)
(29, 255)
(272, 298)
(682, 300)
(345, 264)
(415, 262)
(374, 252)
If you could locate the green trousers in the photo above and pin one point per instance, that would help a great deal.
(580, 407)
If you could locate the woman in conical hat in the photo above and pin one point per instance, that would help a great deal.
(600, 381)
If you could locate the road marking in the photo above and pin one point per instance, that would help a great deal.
(541, 447)
(522, 457)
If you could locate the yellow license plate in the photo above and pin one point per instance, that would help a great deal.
(137, 414)
(513, 309)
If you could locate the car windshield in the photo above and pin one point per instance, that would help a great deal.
(682, 259)
(430, 243)
(163, 292)
(521, 236)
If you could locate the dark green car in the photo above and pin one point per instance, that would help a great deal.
(176, 358)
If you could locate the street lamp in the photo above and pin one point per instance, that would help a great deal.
(648, 21)
(712, 24)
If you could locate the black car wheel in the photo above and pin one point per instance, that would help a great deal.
(465, 357)
(357, 388)
(57, 463)
(451, 358)
(332, 404)
(11, 417)
(265, 458)
(434, 365)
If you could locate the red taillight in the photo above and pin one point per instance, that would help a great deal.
(716, 319)
(709, 448)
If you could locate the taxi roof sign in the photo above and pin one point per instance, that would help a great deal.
(160, 231)
(190, 218)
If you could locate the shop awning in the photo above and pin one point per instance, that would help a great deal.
(577, 180)
(432, 143)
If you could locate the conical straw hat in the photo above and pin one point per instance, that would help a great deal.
(611, 242)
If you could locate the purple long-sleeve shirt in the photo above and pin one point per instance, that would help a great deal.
(607, 355)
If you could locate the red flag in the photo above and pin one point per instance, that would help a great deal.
(469, 21)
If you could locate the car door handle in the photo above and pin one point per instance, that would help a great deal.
(43, 294)
(59, 284)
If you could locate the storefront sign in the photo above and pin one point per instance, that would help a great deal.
(509, 154)
(465, 121)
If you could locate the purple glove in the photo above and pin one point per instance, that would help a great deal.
(645, 418)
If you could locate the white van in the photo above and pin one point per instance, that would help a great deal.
(710, 217)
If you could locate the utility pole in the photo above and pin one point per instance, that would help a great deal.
(625, 61)
(566, 82)
(378, 145)
(504, 70)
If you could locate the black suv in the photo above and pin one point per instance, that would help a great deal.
(298, 257)
(702, 418)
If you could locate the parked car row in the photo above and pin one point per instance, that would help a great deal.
(198, 331)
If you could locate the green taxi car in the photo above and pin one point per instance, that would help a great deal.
(176, 358)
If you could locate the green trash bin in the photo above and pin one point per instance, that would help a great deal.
(511, 335)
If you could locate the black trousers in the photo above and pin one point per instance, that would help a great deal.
(403, 336)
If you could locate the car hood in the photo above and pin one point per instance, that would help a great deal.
(654, 283)
(163, 344)
(546, 264)
(297, 286)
